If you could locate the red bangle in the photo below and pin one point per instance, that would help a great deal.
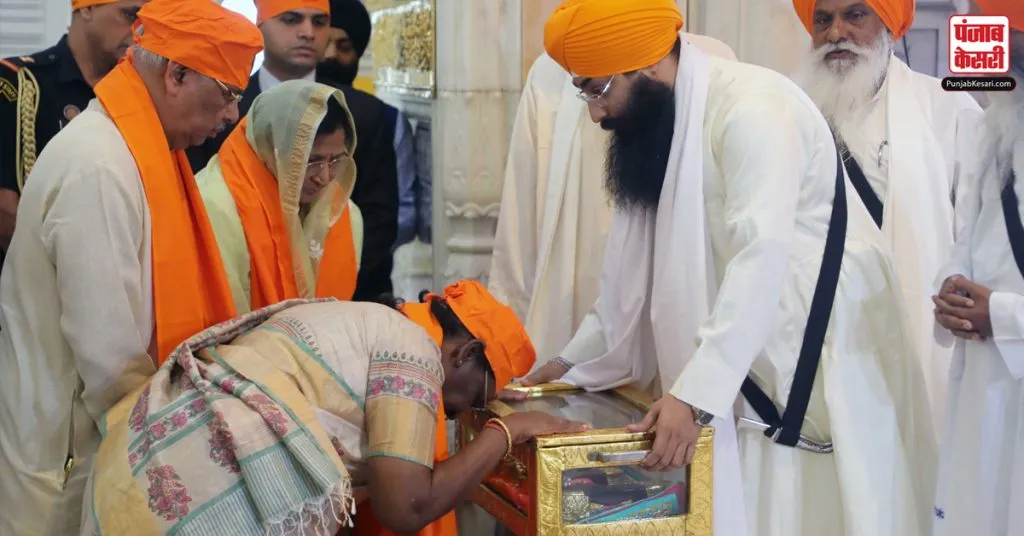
(500, 426)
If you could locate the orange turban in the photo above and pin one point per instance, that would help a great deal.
(598, 38)
(1014, 9)
(202, 36)
(79, 4)
(268, 9)
(897, 15)
(506, 344)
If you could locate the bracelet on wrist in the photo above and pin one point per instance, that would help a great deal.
(500, 425)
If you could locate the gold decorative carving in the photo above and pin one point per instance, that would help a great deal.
(542, 462)
(552, 462)
(403, 44)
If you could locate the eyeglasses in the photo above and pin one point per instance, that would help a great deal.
(129, 14)
(315, 168)
(232, 95)
(595, 97)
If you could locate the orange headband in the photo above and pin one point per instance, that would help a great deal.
(268, 9)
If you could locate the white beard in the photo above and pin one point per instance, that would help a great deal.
(1004, 124)
(841, 88)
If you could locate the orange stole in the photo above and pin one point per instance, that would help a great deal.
(190, 288)
(366, 523)
(257, 198)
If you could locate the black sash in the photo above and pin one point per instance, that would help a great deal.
(1014, 228)
(864, 190)
(785, 428)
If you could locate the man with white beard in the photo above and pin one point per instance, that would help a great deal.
(981, 301)
(909, 149)
(735, 265)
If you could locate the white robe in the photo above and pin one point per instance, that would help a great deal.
(981, 469)
(555, 212)
(926, 165)
(75, 322)
(720, 285)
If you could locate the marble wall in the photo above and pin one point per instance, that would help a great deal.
(478, 84)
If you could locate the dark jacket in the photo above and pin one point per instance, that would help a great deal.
(376, 189)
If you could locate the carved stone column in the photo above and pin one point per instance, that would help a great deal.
(478, 84)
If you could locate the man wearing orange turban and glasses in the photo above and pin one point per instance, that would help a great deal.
(542, 241)
(981, 302)
(113, 262)
(737, 265)
(43, 92)
(909, 148)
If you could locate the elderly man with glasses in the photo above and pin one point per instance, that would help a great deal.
(41, 93)
(113, 262)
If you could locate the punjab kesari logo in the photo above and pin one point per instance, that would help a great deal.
(979, 51)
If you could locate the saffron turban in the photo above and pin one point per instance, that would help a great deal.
(506, 345)
(79, 4)
(202, 36)
(268, 9)
(598, 38)
(1014, 9)
(897, 15)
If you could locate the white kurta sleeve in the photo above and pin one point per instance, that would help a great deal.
(92, 231)
(966, 168)
(966, 189)
(1006, 312)
(588, 342)
(514, 261)
(762, 176)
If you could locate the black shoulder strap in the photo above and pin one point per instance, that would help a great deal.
(1014, 228)
(864, 190)
(785, 428)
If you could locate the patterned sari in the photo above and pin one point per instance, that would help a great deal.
(264, 424)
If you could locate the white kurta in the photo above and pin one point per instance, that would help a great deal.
(766, 206)
(981, 469)
(918, 145)
(555, 212)
(75, 322)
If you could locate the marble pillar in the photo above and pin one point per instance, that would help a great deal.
(762, 32)
(478, 83)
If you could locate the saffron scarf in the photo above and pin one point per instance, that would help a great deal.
(263, 164)
(190, 290)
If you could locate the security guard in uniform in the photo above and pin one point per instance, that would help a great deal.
(41, 93)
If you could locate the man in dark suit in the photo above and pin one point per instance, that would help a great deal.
(349, 36)
(295, 39)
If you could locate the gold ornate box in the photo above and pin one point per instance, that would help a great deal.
(591, 483)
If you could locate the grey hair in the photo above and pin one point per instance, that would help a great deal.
(146, 60)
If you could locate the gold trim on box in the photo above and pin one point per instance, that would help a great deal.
(542, 389)
(552, 462)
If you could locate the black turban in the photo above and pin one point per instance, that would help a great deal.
(351, 16)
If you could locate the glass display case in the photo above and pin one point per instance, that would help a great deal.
(591, 483)
(403, 46)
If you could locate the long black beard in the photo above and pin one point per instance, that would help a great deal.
(639, 145)
(333, 72)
